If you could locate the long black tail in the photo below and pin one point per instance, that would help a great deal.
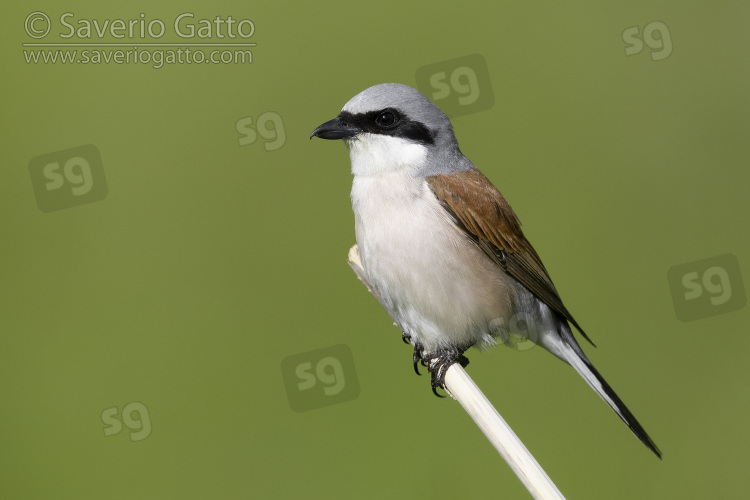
(577, 359)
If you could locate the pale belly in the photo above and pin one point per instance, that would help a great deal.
(434, 282)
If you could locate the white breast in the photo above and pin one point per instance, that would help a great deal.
(431, 279)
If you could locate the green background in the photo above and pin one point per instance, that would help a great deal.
(208, 263)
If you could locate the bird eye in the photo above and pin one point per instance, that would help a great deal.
(386, 119)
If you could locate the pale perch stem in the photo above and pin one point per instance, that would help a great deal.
(463, 389)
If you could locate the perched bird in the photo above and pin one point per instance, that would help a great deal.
(441, 248)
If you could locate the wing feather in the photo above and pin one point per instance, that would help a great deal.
(484, 215)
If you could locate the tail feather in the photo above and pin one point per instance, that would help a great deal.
(573, 355)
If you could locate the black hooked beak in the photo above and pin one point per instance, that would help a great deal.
(335, 129)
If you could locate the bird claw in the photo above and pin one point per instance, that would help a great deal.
(417, 357)
(418, 351)
(437, 363)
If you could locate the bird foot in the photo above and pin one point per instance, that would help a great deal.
(437, 363)
(418, 351)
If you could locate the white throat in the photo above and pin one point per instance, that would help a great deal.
(375, 154)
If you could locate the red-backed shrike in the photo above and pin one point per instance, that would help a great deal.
(441, 248)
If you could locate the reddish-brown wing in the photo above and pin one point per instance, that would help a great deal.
(482, 213)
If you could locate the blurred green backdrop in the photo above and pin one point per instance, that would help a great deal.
(143, 330)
